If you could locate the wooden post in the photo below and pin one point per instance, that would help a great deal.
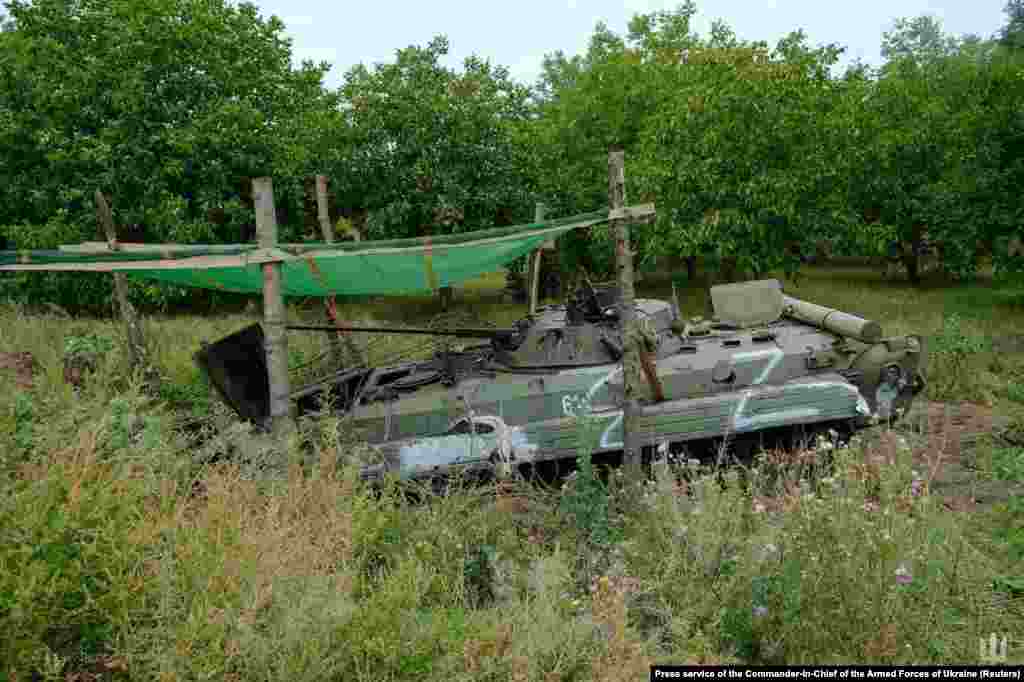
(535, 260)
(627, 311)
(136, 342)
(332, 309)
(275, 337)
(446, 296)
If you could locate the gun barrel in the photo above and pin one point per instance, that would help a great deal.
(468, 333)
(835, 321)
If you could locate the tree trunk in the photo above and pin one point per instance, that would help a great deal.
(136, 343)
(910, 252)
(691, 268)
(911, 262)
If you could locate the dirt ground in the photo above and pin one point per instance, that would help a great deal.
(946, 440)
(22, 365)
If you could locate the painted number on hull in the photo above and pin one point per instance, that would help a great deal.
(574, 404)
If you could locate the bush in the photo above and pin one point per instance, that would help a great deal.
(72, 577)
(862, 564)
(952, 374)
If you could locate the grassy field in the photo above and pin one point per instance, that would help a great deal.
(131, 548)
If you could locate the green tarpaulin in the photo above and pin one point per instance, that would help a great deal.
(317, 269)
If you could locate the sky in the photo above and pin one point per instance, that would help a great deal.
(518, 33)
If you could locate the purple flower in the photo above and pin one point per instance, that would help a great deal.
(760, 611)
(916, 487)
(903, 576)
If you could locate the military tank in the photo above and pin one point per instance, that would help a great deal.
(766, 365)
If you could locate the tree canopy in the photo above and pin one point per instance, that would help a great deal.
(756, 155)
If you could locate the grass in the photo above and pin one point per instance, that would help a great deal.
(126, 554)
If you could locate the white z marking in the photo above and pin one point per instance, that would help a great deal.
(774, 356)
(617, 421)
(608, 432)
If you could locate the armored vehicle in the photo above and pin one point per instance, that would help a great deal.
(766, 364)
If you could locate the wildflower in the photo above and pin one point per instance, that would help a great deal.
(760, 611)
(903, 576)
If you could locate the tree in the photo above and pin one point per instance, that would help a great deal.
(734, 156)
(433, 148)
(933, 164)
(597, 100)
(920, 39)
(167, 106)
(1011, 35)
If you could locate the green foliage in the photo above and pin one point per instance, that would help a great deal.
(856, 568)
(585, 500)
(89, 344)
(168, 107)
(69, 582)
(952, 371)
(1008, 464)
(755, 156)
(122, 555)
(24, 422)
(1011, 35)
(434, 148)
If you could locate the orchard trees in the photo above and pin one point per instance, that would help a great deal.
(167, 106)
(735, 156)
(936, 152)
(434, 149)
(163, 104)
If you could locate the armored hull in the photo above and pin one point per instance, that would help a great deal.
(766, 363)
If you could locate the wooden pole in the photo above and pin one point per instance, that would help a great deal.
(534, 271)
(627, 312)
(136, 342)
(341, 338)
(275, 337)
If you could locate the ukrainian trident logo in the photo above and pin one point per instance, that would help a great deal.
(992, 650)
